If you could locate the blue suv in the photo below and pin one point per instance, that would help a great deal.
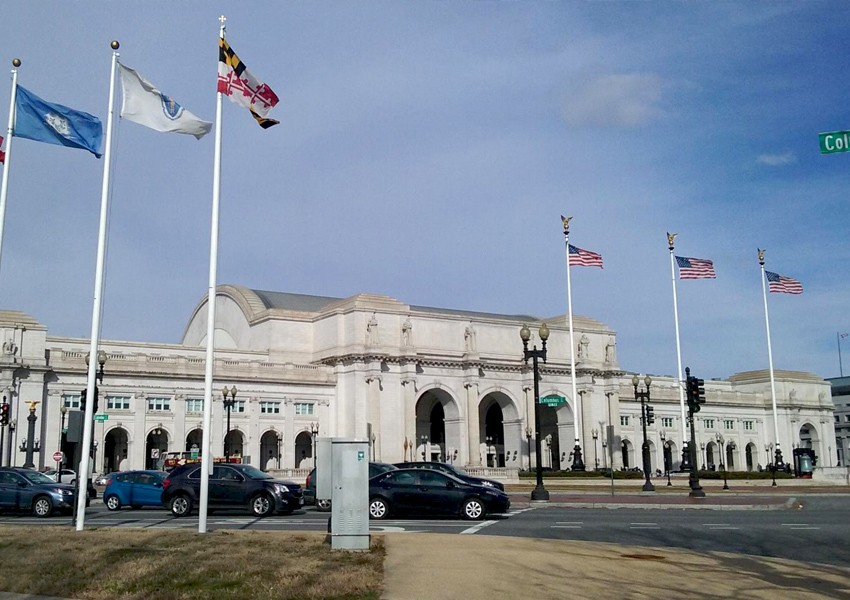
(28, 490)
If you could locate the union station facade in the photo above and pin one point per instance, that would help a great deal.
(416, 382)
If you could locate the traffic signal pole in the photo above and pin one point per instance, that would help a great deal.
(692, 385)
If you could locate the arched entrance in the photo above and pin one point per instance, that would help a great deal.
(156, 445)
(670, 454)
(438, 426)
(628, 451)
(304, 451)
(234, 443)
(194, 440)
(115, 452)
(270, 446)
(730, 455)
(500, 432)
(749, 456)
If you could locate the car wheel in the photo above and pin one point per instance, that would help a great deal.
(378, 508)
(323, 505)
(181, 505)
(261, 505)
(73, 482)
(112, 502)
(42, 506)
(472, 509)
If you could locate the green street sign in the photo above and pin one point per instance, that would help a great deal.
(101, 418)
(553, 400)
(834, 141)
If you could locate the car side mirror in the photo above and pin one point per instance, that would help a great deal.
(450, 485)
(22, 484)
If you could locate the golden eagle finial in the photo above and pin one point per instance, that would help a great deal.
(670, 238)
(566, 222)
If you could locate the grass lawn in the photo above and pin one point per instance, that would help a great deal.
(165, 564)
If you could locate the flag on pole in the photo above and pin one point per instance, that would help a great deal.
(144, 104)
(236, 82)
(36, 119)
(783, 285)
(695, 268)
(2, 154)
(584, 258)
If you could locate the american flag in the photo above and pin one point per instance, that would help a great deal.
(783, 285)
(695, 268)
(584, 258)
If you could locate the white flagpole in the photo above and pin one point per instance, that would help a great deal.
(670, 238)
(206, 459)
(578, 416)
(777, 451)
(97, 302)
(10, 130)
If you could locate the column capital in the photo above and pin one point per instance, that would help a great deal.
(468, 383)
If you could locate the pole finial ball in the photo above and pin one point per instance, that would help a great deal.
(16, 62)
(115, 45)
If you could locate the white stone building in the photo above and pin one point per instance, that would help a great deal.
(418, 382)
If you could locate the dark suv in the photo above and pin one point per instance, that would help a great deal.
(453, 470)
(26, 489)
(230, 486)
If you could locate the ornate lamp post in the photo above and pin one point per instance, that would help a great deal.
(314, 432)
(539, 492)
(30, 448)
(63, 411)
(228, 401)
(595, 434)
(425, 457)
(488, 441)
(645, 414)
(605, 454)
(719, 437)
(528, 439)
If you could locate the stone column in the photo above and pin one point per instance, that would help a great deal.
(614, 419)
(408, 385)
(288, 434)
(373, 384)
(472, 426)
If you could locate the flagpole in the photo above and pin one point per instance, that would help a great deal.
(778, 452)
(579, 412)
(206, 459)
(10, 130)
(670, 238)
(840, 364)
(97, 303)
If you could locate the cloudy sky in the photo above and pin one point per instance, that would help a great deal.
(426, 151)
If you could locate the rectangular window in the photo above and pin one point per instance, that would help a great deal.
(303, 408)
(238, 406)
(624, 421)
(71, 400)
(118, 402)
(667, 422)
(728, 424)
(270, 408)
(159, 404)
(708, 423)
(195, 405)
(748, 425)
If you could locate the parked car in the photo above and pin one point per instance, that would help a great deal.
(134, 489)
(66, 476)
(103, 479)
(452, 470)
(29, 490)
(430, 492)
(230, 486)
(324, 504)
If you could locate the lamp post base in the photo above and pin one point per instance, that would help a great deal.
(648, 487)
(540, 494)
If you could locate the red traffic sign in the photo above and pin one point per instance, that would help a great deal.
(58, 456)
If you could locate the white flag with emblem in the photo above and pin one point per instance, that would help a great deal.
(147, 106)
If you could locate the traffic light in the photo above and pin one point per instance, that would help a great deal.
(4, 414)
(83, 398)
(696, 393)
(650, 414)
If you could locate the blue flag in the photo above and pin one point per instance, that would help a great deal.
(43, 121)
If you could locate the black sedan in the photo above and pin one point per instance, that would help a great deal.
(431, 492)
(230, 486)
(452, 470)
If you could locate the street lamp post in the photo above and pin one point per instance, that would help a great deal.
(645, 413)
(425, 456)
(528, 439)
(372, 439)
(31, 419)
(720, 441)
(63, 412)
(228, 401)
(595, 434)
(488, 441)
(539, 493)
(314, 431)
(605, 454)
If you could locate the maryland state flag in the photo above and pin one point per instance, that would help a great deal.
(2, 154)
(235, 81)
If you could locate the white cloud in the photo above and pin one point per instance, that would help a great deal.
(615, 100)
(776, 160)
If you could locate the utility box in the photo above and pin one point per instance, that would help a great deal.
(349, 494)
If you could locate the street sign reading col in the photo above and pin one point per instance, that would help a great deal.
(553, 400)
(834, 141)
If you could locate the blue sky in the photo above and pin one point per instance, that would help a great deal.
(426, 151)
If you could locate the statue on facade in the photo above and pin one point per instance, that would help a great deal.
(583, 345)
(469, 335)
(10, 348)
(407, 332)
(610, 352)
(372, 331)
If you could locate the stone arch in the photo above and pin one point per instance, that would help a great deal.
(627, 450)
(670, 454)
(195, 440)
(304, 452)
(712, 456)
(234, 443)
(750, 454)
(438, 424)
(156, 445)
(270, 450)
(116, 447)
(500, 430)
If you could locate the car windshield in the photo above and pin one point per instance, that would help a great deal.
(457, 470)
(254, 473)
(37, 477)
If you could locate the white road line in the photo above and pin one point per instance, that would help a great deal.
(477, 528)
(798, 526)
(644, 526)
